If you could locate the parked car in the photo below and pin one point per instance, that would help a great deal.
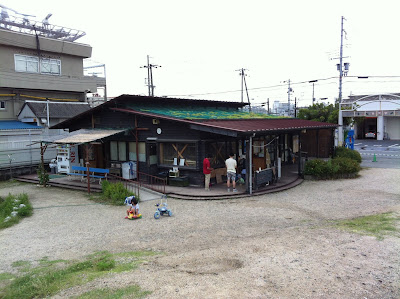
(370, 134)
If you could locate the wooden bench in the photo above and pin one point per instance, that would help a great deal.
(94, 173)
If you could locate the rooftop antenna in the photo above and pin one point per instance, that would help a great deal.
(12, 20)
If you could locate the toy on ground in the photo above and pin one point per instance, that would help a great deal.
(162, 208)
(133, 217)
(132, 201)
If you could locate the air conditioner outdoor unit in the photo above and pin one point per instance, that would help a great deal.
(156, 121)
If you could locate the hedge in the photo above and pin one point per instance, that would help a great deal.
(343, 152)
(332, 168)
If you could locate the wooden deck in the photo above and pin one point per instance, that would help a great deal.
(288, 180)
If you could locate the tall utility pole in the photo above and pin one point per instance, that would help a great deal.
(341, 62)
(340, 69)
(149, 68)
(243, 81)
(267, 102)
(313, 97)
(289, 91)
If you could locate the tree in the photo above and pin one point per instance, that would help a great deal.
(321, 112)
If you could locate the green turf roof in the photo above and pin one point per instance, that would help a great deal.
(200, 112)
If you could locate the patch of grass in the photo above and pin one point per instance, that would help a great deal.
(13, 208)
(6, 276)
(379, 225)
(45, 261)
(131, 291)
(11, 183)
(132, 260)
(19, 264)
(50, 277)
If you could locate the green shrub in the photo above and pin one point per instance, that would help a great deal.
(13, 209)
(42, 175)
(317, 167)
(332, 168)
(343, 152)
(116, 192)
(346, 165)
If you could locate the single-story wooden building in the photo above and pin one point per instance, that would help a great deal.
(161, 134)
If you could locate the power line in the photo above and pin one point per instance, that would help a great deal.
(291, 83)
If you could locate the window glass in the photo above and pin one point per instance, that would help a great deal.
(178, 151)
(142, 151)
(30, 64)
(20, 65)
(50, 66)
(114, 150)
(122, 151)
(2, 105)
(152, 153)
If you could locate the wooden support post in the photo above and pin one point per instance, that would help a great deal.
(87, 167)
(137, 149)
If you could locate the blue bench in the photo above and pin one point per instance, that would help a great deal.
(94, 173)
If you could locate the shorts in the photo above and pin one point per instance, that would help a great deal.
(231, 176)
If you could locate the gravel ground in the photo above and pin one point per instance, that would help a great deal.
(280, 245)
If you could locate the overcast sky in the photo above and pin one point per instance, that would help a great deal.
(200, 45)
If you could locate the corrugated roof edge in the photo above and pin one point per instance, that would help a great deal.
(17, 125)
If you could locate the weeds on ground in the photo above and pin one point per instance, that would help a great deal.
(379, 225)
(11, 183)
(51, 277)
(13, 208)
(112, 193)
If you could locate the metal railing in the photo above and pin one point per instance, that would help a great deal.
(142, 180)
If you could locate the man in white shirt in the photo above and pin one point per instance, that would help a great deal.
(231, 166)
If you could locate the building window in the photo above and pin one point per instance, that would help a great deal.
(50, 66)
(118, 150)
(2, 105)
(142, 151)
(30, 64)
(27, 64)
(182, 154)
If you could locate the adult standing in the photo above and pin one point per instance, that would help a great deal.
(207, 172)
(231, 166)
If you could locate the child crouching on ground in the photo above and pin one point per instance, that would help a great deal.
(133, 206)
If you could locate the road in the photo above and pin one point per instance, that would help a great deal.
(386, 153)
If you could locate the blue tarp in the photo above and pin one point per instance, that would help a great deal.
(16, 125)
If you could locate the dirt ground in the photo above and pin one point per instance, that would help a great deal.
(281, 245)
